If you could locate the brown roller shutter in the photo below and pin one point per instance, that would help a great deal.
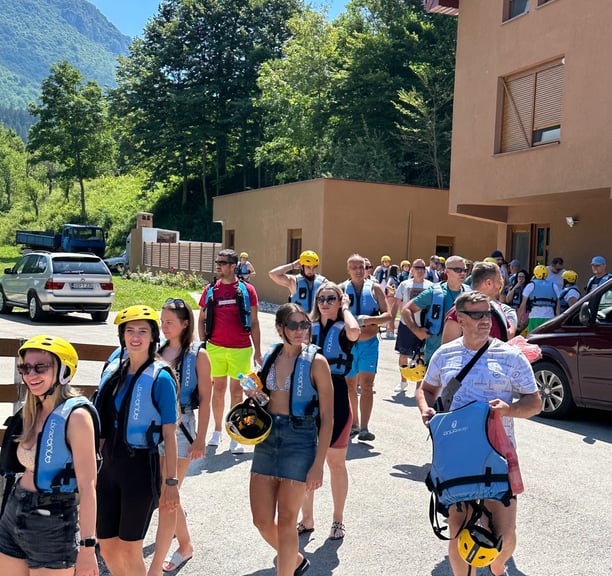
(549, 88)
(518, 108)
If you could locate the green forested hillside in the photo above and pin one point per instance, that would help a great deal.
(34, 34)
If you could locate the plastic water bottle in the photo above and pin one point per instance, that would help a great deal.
(252, 383)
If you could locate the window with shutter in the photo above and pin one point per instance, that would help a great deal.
(531, 113)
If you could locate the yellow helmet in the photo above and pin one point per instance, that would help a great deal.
(442, 260)
(570, 276)
(248, 423)
(490, 259)
(415, 372)
(136, 312)
(478, 546)
(540, 271)
(405, 263)
(62, 349)
(385, 257)
(243, 255)
(309, 258)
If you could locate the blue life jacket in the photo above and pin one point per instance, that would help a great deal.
(563, 304)
(139, 416)
(304, 398)
(304, 291)
(242, 270)
(189, 396)
(434, 316)
(517, 297)
(594, 281)
(243, 301)
(54, 469)
(465, 465)
(543, 294)
(339, 361)
(366, 303)
(382, 274)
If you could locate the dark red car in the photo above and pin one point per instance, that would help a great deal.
(576, 364)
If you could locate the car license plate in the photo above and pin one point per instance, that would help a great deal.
(81, 285)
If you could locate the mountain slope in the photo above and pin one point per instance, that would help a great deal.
(34, 34)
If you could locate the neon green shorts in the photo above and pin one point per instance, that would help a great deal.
(229, 361)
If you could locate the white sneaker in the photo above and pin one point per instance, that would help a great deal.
(215, 439)
(401, 387)
(236, 448)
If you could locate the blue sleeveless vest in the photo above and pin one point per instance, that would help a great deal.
(54, 470)
(243, 301)
(304, 399)
(543, 294)
(339, 361)
(139, 416)
(304, 293)
(563, 305)
(242, 269)
(366, 304)
(189, 376)
(465, 465)
(434, 316)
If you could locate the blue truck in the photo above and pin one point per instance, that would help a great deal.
(72, 238)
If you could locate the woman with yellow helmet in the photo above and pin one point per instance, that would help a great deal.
(137, 403)
(53, 444)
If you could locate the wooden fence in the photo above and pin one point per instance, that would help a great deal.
(14, 392)
(184, 256)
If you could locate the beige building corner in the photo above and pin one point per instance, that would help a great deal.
(531, 125)
(336, 218)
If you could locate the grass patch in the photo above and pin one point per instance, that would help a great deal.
(133, 291)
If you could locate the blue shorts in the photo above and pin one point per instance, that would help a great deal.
(41, 529)
(407, 343)
(182, 443)
(365, 356)
(290, 449)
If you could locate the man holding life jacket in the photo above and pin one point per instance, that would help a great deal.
(499, 373)
(486, 278)
(541, 298)
(229, 325)
(437, 301)
(598, 265)
(368, 304)
(303, 286)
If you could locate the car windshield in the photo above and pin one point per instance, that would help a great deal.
(71, 266)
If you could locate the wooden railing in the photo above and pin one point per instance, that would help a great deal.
(14, 392)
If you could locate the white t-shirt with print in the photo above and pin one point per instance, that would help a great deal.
(501, 372)
(408, 289)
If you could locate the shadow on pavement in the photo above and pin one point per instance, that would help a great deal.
(216, 462)
(358, 450)
(401, 398)
(411, 472)
(592, 425)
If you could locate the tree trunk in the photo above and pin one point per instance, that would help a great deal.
(204, 190)
(83, 211)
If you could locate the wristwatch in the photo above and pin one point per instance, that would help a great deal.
(171, 481)
(88, 542)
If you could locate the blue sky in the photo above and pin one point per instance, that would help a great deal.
(130, 16)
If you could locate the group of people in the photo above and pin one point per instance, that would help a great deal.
(319, 381)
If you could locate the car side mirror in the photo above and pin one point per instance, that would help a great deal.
(8, 270)
(585, 316)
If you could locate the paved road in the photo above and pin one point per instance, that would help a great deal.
(564, 522)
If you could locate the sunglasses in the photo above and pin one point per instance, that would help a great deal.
(293, 325)
(419, 267)
(458, 270)
(174, 303)
(369, 267)
(326, 299)
(476, 315)
(40, 368)
(222, 262)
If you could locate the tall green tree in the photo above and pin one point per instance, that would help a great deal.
(73, 128)
(13, 159)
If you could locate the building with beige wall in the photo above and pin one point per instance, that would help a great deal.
(336, 218)
(531, 125)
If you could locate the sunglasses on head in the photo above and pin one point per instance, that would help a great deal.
(173, 303)
(476, 315)
(327, 299)
(458, 270)
(293, 325)
(39, 368)
(221, 262)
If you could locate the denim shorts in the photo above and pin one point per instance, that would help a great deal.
(188, 420)
(290, 449)
(365, 356)
(41, 529)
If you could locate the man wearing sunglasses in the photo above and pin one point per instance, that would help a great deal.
(456, 270)
(229, 325)
(501, 373)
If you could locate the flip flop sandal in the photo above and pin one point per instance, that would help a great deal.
(176, 561)
(301, 529)
(337, 531)
(301, 569)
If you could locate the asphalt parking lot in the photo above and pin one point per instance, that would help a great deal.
(564, 526)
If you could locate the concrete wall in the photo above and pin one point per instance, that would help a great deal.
(340, 217)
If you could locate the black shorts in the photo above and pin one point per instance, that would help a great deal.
(407, 342)
(128, 492)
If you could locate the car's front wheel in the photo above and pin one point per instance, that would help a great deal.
(99, 316)
(4, 307)
(35, 310)
(555, 390)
